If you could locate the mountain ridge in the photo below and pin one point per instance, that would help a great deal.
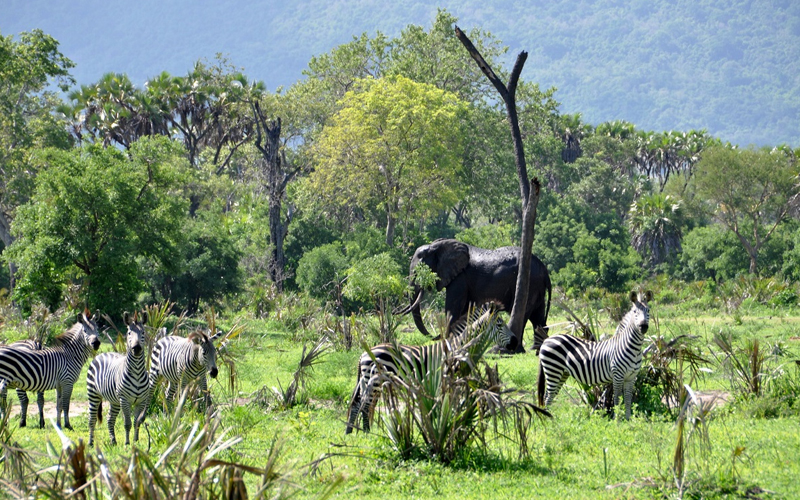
(733, 70)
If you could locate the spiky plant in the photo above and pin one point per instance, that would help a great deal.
(454, 400)
(282, 399)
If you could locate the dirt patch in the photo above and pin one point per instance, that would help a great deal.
(717, 398)
(76, 408)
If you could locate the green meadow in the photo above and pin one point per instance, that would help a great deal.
(745, 446)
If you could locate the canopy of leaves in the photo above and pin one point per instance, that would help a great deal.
(751, 191)
(94, 211)
(392, 151)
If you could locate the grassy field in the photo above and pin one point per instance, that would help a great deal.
(577, 454)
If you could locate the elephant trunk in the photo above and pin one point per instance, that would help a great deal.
(415, 312)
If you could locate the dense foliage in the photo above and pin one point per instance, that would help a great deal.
(206, 189)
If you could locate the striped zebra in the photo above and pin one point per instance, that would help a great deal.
(56, 367)
(470, 343)
(182, 360)
(120, 379)
(616, 360)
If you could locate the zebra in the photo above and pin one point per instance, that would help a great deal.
(56, 367)
(617, 359)
(122, 380)
(181, 360)
(470, 344)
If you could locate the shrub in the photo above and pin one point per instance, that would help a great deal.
(321, 270)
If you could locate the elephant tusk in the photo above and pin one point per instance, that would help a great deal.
(412, 306)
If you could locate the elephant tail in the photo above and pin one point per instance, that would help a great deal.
(540, 383)
(549, 296)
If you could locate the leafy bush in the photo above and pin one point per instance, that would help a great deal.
(712, 252)
(321, 270)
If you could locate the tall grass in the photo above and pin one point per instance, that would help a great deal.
(198, 461)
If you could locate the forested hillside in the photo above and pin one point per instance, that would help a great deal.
(731, 67)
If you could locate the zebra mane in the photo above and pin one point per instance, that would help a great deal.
(71, 335)
(198, 333)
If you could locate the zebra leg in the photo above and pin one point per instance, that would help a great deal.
(23, 407)
(112, 419)
(171, 388)
(126, 415)
(368, 401)
(3, 393)
(628, 397)
(94, 405)
(138, 416)
(66, 394)
(205, 398)
(355, 405)
(40, 404)
(618, 382)
(58, 406)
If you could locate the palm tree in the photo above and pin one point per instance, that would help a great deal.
(655, 225)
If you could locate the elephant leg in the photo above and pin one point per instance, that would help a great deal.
(455, 305)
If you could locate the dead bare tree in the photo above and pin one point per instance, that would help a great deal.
(278, 174)
(529, 190)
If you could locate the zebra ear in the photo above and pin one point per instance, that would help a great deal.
(217, 335)
(634, 296)
(648, 295)
(126, 317)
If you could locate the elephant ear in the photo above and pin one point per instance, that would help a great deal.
(453, 258)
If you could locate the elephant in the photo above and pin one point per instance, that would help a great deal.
(474, 276)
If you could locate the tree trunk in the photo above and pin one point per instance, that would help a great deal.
(390, 223)
(277, 233)
(277, 177)
(8, 239)
(530, 197)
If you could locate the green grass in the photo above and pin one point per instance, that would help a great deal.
(567, 457)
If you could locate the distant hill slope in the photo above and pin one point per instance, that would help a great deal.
(661, 64)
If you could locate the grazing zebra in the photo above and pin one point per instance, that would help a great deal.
(33, 345)
(615, 360)
(181, 360)
(56, 367)
(121, 379)
(471, 343)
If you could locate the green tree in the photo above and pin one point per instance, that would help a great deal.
(93, 212)
(393, 149)
(752, 191)
(206, 267)
(27, 67)
(655, 225)
(380, 281)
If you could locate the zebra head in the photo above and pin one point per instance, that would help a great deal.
(205, 350)
(639, 315)
(135, 339)
(89, 328)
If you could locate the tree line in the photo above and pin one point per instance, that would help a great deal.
(207, 187)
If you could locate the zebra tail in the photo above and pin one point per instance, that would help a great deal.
(540, 384)
(100, 412)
